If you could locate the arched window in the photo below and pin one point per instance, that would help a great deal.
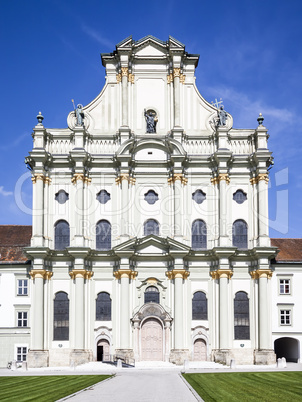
(199, 306)
(151, 294)
(61, 317)
(241, 316)
(62, 235)
(151, 226)
(103, 307)
(199, 235)
(103, 235)
(240, 234)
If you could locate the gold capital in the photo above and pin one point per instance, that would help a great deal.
(178, 176)
(40, 176)
(177, 273)
(221, 176)
(221, 273)
(131, 78)
(261, 176)
(124, 71)
(40, 273)
(80, 273)
(176, 72)
(261, 273)
(76, 177)
(125, 273)
(118, 78)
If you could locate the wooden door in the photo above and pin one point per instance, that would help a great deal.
(103, 350)
(152, 340)
(200, 350)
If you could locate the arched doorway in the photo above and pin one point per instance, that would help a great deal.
(102, 353)
(288, 348)
(152, 340)
(200, 350)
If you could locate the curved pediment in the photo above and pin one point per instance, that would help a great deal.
(152, 310)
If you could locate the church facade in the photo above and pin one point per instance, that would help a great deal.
(150, 235)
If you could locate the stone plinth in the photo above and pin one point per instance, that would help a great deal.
(178, 356)
(265, 356)
(79, 356)
(125, 353)
(222, 356)
(37, 358)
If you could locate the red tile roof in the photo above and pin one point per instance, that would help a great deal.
(290, 249)
(12, 240)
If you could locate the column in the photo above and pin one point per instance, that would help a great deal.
(167, 340)
(223, 275)
(78, 276)
(178, 216)
(262, 179)
(176, 76)
(78, 180)
(124, 96)
(264, 334)
(125, 275)
(38, 200)
(125, 204)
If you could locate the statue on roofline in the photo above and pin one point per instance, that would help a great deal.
(222, 116)
(79, 114)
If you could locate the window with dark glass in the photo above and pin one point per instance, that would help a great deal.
(61, 196)
(199, 235)
(103, 307)
(103, 196)
(151, 197)
(241, 316)
(285, 317)
(61, 317)
(22, 288)
(151, 226)
(198, 196)
(22, 319)
(199, 306)
(239, 196)
(21, 353)
(240, 234)
(103, 235)
(151, 294)
(284, 286)
(62, 235)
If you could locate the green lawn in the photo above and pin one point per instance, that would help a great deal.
(264, 387)
(44, 388)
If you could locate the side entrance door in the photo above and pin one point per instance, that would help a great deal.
(200, 350)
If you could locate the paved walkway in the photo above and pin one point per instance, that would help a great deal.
(142, 386)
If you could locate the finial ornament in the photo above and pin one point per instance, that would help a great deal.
(260, 119)
(40, 119)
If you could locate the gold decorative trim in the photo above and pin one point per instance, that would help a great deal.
(80, 273)
(152, 281)
(176, 72)
(125, 176)
(261, 273)
(87, 180)
(40, 176)
(261, 176)
(40, 273)
(177, 273)
(221, 176)
(169, 78)
(76, 177)
(182, 78)
(125, 273)
(118, 78)
(124, 71)
(131, 78)
(221, 273)
(178, 176)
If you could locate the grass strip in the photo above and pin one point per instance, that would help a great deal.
(235, 387)
(44, 388)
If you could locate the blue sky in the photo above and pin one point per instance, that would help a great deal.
(250, 56)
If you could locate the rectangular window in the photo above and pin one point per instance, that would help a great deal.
(22, 318)
(21, 354)
(285, 317)
(284, 286)
(22, 287)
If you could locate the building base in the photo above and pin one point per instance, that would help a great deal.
(80, 356)
(126, 354)
(222, 356)
(178, 356)
(37, 358)
(265, 356)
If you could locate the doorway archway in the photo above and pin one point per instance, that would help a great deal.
(288, 348)
(152, 340)
(200, 350)
(102, 353)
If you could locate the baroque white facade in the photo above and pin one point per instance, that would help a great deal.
(150, 224)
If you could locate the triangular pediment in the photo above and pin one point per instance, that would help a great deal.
(150, 50)
(151, 244)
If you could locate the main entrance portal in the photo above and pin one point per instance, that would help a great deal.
(200, 350)
(152, 340)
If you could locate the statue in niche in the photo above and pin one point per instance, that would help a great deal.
(151, 120)
(222, 116)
